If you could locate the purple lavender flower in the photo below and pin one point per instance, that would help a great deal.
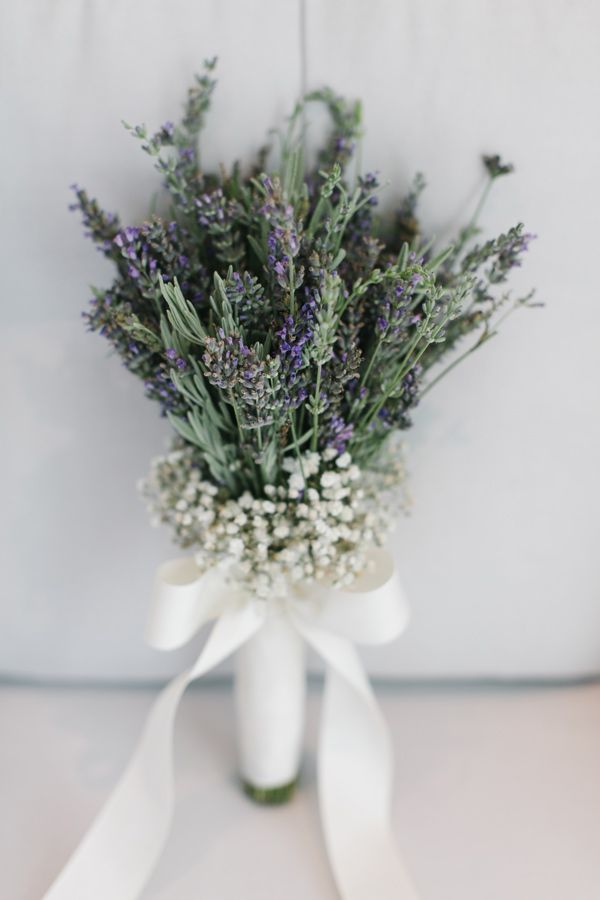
(338, 433)
(294, 334)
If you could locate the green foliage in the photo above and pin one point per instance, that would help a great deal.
(270, 313)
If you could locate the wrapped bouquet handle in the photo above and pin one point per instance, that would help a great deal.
(118, 854)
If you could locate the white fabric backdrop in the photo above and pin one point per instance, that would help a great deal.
(499, 556)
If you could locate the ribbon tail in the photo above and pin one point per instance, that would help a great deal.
(119, 852)
(355, 768)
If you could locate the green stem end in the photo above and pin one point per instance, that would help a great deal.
(274, 796)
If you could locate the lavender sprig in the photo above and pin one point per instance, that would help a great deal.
(273, 317)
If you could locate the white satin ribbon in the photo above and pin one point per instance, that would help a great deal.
(118, 854)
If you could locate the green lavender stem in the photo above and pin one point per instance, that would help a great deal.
(317, 401)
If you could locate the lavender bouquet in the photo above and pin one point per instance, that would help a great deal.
(288, 336)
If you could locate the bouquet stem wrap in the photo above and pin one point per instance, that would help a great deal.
(270, 693)
(118, 854)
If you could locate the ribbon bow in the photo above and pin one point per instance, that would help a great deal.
(119, 852)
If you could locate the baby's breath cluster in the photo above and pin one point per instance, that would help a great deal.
(316, 526)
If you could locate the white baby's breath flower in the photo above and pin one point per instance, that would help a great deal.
(236, 546)
(330, 479)
(343, 461)
(296, 482)
(311, 463)
(299, 531)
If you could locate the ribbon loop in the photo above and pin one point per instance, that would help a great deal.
(372, 610)
(185, 598)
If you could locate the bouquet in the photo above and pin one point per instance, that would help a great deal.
(288, 335)
(288, 341)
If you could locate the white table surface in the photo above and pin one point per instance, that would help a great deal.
(497, 793)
